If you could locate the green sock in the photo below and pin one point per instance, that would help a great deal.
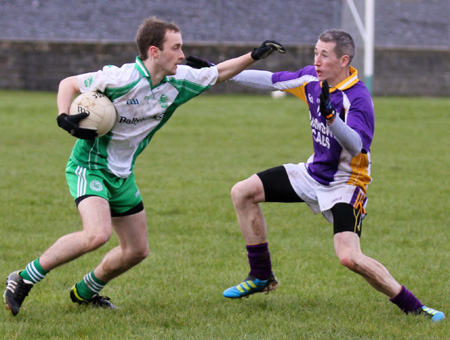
(89, 286)
(33, 272)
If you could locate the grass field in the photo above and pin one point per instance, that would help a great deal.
(197, 251)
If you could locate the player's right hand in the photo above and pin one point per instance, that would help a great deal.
(70, 124)
(266, 49)
(197, 62)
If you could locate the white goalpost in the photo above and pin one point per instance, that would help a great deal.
(367, 32)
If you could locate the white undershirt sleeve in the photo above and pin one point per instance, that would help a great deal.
(348, 138)
(256, 79)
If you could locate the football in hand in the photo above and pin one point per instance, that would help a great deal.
(102, 113)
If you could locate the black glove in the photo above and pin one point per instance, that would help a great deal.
(266, 49)
(325, 107)
(197, 62)
(70, 124)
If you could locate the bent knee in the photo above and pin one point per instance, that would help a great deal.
(136, 255)
(349, 261)
(237, 192)
(95, 241)
(249, 190)
(142, 254)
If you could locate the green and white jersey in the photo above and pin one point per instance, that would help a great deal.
(142, 109)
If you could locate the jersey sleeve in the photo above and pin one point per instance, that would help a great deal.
(295, 82)
(348, 138)
(203, 77)
(292, 82)
(99, 80)
(256, 79)
(360, 117)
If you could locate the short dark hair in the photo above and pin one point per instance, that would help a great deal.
(344, 42)
(152, 33)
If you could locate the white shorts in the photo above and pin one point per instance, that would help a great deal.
(321, 198)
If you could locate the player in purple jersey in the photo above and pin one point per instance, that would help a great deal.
(335, 178)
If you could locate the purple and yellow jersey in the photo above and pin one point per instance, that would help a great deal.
(331, 163)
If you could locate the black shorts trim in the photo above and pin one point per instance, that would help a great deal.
(277, 187)
(347, 218)
(137, 208)
(79, 199)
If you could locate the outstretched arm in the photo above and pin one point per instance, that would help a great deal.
(257, 79)
(232, 67)
(229, 68)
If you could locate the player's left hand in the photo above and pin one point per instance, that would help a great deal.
(325, 107)
(266, 49)
(197, 62)
(71, 125)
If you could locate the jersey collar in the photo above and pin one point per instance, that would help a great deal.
(144, 72)
(141, 68)
(348, 82)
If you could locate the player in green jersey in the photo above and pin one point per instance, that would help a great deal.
(100, 169)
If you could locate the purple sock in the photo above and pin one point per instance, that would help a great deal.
(259, 260)
(406, 301)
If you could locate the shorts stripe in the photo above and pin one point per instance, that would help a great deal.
(81, 184)
(121, 193)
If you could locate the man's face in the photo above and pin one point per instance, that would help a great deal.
(171, 55)
(328, 65)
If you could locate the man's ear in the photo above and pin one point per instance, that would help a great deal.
(153, 51)
(345, 61)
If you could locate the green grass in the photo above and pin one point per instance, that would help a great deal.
(197, 251)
